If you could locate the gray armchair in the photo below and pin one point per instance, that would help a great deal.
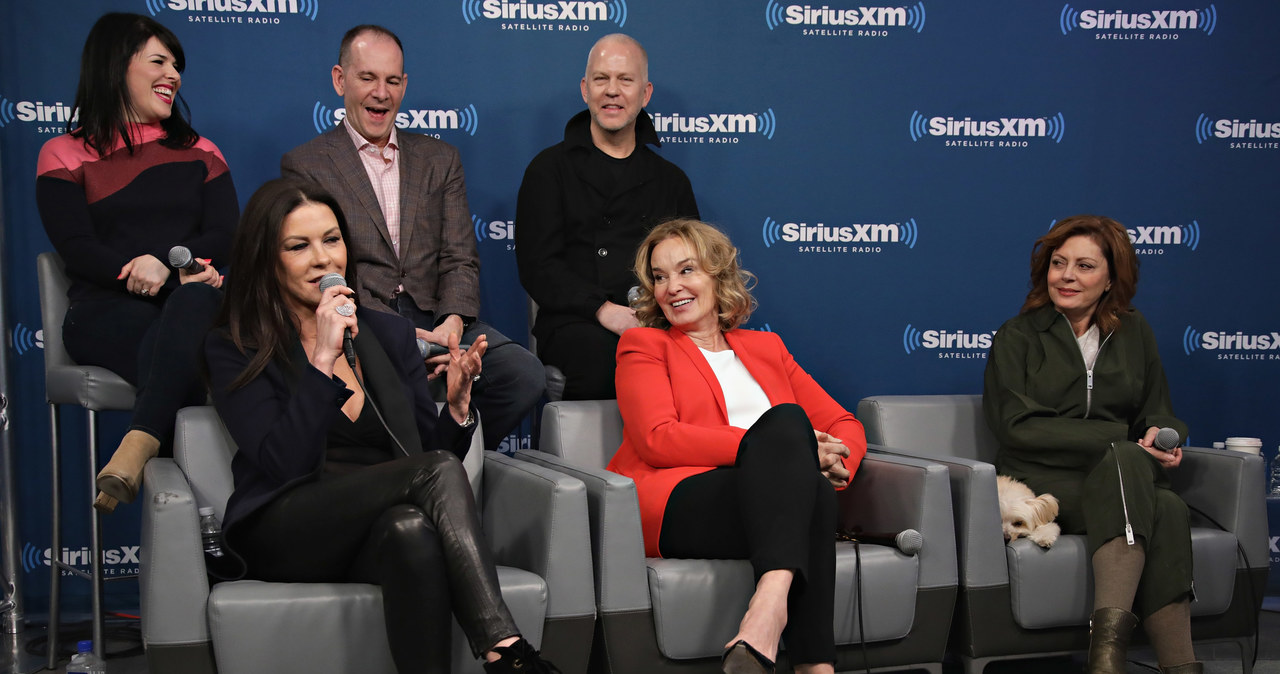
(534, 519)
(675, 615)
(1018, 600)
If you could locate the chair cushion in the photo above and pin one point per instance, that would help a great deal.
(334, 627)
(697, 603)
(1047, 589)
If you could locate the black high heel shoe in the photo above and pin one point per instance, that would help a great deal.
(519, 658)
(741, 658)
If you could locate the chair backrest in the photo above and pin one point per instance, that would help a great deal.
(583, 432)
(940, 425)
(203, 448)
(53, 281)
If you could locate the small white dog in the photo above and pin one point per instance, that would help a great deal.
(1022, 513)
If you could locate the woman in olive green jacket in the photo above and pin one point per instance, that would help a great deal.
(1076, 395)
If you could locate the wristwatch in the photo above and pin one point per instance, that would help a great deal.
(469, 421)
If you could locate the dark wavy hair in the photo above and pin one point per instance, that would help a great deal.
(1122, 266)
(102, 96)
(716, 255)
(254, 313)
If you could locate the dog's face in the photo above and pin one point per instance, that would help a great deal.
(1021, 511)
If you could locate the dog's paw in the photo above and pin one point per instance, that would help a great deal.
(1045, 535)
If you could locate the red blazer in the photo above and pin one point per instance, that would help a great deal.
(675, 423)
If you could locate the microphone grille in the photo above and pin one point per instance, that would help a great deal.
(330, 280)
(1166, 439)
(179, 257)
(909, 541)
(633, 295)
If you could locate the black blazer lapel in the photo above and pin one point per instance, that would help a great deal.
(387, 390)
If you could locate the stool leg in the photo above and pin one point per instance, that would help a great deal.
(55, 534)
(95, 540)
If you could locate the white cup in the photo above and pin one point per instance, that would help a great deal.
(1249, 445)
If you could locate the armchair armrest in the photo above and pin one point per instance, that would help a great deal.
(536, 519)
(891, 493)
(975, 507)
(173, 586)
(1227, 486)
(617, 542)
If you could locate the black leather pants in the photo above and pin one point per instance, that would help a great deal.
(409, 525)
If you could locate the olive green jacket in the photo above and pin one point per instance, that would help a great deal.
(1036, 394)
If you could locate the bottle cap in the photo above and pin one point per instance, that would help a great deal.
(205, 511)
(84, 646)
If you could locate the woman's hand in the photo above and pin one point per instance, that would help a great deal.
(462, 370)
(330, 324)
(451, 325)
(209, 275)
(1169, 459)
(831, 451)
(144, 275)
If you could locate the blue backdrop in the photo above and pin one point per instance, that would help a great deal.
(884, 169)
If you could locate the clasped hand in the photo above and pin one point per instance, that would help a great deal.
(831, 452)
(146, 275)
(1169, 459)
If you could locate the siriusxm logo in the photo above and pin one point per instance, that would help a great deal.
(25, 339)
(1243, 346)
(520, 10)
(1097, 19)
(307, 8)
(777, 14)
(762, 123)
(1237, 131)
(1003, 128)
(459, 119)
(914, 339)
(498, 230)
(865, 237)
(514, 443)
(34, 558)
(1181, 235)
(35, 111)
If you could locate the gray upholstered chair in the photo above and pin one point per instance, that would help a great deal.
(1018, 600)
(675, 615)
(96, 389)
(534, 519)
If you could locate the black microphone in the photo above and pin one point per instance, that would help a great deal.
(908, 541)
(326, 282)
(431, 349)
(1166, 439)
(180, 257)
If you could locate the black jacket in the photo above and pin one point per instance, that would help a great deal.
(575, 242)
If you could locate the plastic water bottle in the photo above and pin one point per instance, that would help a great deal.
(1275, 475)
(85, 662)
(211, 535)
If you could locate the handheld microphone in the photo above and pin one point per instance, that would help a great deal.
(431, 350)
(348, 349)
(633, 296)
(1166, 439)
(908, 541)
(180, 257)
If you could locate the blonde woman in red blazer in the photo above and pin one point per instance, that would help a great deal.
(735, 450)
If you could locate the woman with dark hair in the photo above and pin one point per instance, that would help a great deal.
(1076, 395)
(116, 193)
(343, 469)
(735, 450)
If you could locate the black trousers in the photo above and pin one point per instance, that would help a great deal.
(776, 509)
(587, 354)
(153, 343)
(408, 525)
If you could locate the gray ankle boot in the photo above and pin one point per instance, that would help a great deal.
(1109, 630)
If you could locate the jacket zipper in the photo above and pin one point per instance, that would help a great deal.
(1124, 505)
(1088, 394)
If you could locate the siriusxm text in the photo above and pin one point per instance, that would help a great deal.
(551, 11)
(28, 111)
(1005, 126)
(869, 233)
(943, 339)
(725, 123)
(1117, 20)
(1213, 341)
(248, 6)
(864, 16)
(126, 554)
(1234, 128)
(417, 119)
(1156, 236)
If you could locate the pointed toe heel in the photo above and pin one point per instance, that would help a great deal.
(741, 658)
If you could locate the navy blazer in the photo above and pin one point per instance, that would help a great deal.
(280, 420)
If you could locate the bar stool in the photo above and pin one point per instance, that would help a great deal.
(95, 389)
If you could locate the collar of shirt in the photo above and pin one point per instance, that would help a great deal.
(365, 146)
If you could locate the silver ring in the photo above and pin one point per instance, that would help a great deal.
(144, 291)
(345, 309)
(475, 378)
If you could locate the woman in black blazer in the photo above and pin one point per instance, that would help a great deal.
(325, 491)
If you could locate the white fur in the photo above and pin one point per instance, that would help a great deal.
(1022, 513)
